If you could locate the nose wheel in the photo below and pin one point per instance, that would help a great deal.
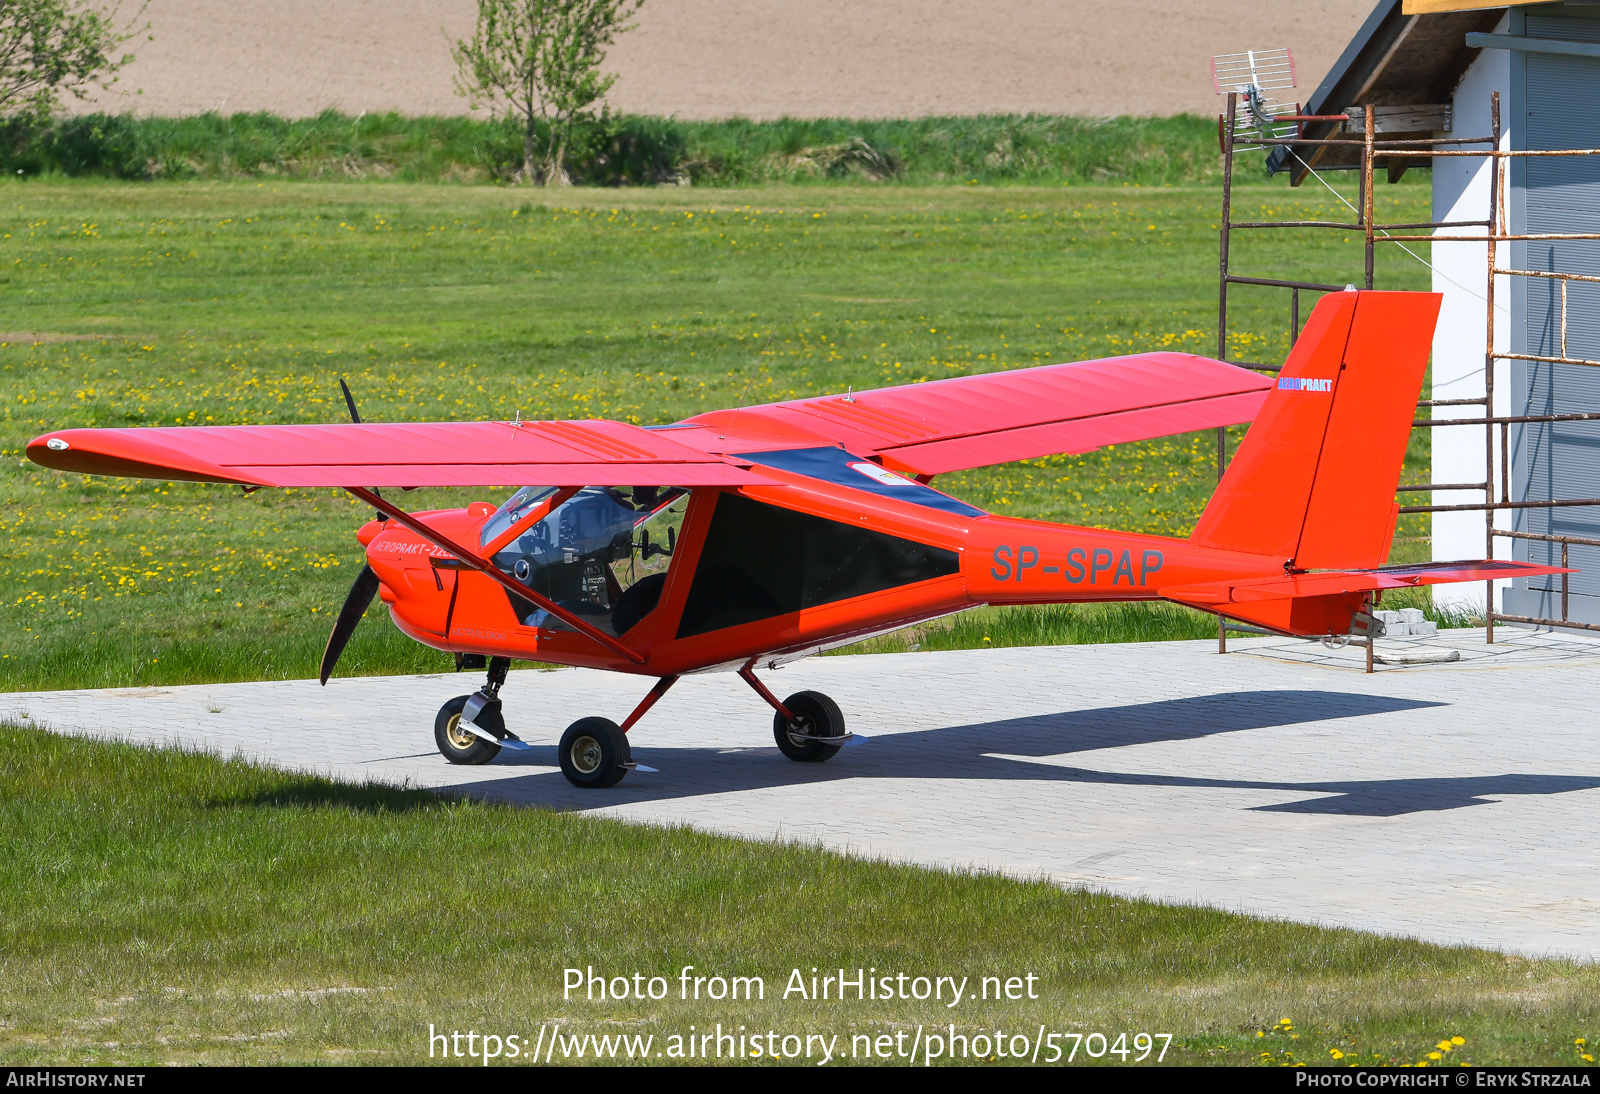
(470, 729)
(460, 745)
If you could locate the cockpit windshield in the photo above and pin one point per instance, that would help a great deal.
(515, 508)
(603, 554)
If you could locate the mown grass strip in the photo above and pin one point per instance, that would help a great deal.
(161, 906)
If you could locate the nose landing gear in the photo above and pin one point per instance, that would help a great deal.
(470, 729)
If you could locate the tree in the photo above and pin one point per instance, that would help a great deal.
(52, 46)
(539, 61)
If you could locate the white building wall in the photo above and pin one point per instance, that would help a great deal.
(1461, 192)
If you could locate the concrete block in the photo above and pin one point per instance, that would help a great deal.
(1411, 615)
(1425, 627)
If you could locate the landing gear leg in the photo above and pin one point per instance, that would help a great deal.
(470, 729)
(498, 667)
(595, 753)
(808, 725)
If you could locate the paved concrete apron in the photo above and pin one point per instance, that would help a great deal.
(1457, 802)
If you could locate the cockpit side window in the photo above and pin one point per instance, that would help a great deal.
(603, 555)
(760, 561)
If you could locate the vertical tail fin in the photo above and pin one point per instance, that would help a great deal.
(1314, 480)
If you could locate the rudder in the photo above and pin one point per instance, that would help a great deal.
(1314, 480)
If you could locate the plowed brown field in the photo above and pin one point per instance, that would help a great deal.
(756, 58)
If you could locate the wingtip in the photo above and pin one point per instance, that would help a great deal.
(42, 452)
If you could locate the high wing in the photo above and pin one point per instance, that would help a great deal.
(925, 429)
(421, 454)
(997, 417)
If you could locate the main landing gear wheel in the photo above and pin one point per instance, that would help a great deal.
(456, 743)
(594, 753)
(816, 716)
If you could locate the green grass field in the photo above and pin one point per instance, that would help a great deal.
(168, 907)
(245, 301)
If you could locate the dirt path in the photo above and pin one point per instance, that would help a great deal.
(758, 58)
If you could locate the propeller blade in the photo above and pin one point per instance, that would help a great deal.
(349, 401)
(355, 606)
(355, 416)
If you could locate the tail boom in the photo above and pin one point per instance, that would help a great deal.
(1011, 561)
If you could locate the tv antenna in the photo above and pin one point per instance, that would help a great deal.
(1254, 75)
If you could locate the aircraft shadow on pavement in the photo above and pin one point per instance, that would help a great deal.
(1027, 750)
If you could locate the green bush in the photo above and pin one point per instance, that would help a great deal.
(103, 145)
(629, 150)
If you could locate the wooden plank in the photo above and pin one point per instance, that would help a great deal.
(1421, 118)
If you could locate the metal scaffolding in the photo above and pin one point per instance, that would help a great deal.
(1496, 484)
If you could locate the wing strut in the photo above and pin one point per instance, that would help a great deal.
(488, 570)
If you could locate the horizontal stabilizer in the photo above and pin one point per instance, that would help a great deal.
(1210, 594)
(1323, 603)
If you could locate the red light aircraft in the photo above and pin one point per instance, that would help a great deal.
(751, 537)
